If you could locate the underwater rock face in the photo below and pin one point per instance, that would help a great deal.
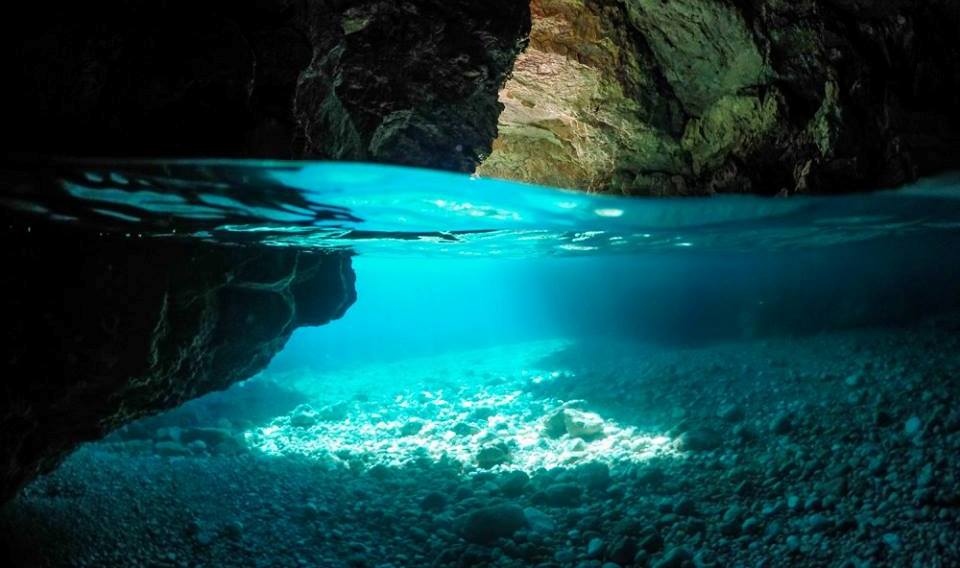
(103, 330)
(412, 83)
(702, 96)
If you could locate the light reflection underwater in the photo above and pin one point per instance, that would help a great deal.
(481, 415)
(369, 209)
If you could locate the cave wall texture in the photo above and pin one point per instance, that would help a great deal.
(682, 97)
(402, 82)
(647, 97)
(99, 331)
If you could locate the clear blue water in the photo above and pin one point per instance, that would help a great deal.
(369, 208)
(751, 351)
(451, 259)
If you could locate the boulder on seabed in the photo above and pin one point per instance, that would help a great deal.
(486, 525)
(493, 455)
(577, 423)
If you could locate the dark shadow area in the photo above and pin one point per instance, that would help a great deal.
(105, 328)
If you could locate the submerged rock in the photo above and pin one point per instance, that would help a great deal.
(699, 440)
(594, 476)
(411, 428)
(539, 521)
(492, 456)
(676, 558)
(334, 412)
(912, 426)
(433, 501)
(233, 530)
(595, 548)
(576, 423)
(303, 417)
(209, 436)
(622, 550)
(171, 449)
(484, 526)
(782, 424)
(559, 495)
(464, 429)
(513, 483)
(580, 424)
(731, 413)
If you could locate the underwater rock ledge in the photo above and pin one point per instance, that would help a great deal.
(101, 330)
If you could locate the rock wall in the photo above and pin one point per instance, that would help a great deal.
(402, 82)
(99, 331)
(703, 96)
(411, 83)
(626, 96)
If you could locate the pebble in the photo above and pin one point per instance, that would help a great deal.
(539, 521)
(492, 456)
(912, 426)
(622, 550)
(686, 507)
(580, 424)
(595, 548)
(234, 530)
(781, 424)
(699, 440)
(731, 413)
(676, 558)
(483, 526)
(411, 428)
(514, 482)
(893, 541)
(560, 495)
(652, 544)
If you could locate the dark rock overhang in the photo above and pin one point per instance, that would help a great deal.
(102, 329)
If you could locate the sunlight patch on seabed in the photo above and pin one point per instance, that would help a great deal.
(455, 407)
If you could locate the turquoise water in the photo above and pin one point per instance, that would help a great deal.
(536, 377)
(447, 258)
(369, 208)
